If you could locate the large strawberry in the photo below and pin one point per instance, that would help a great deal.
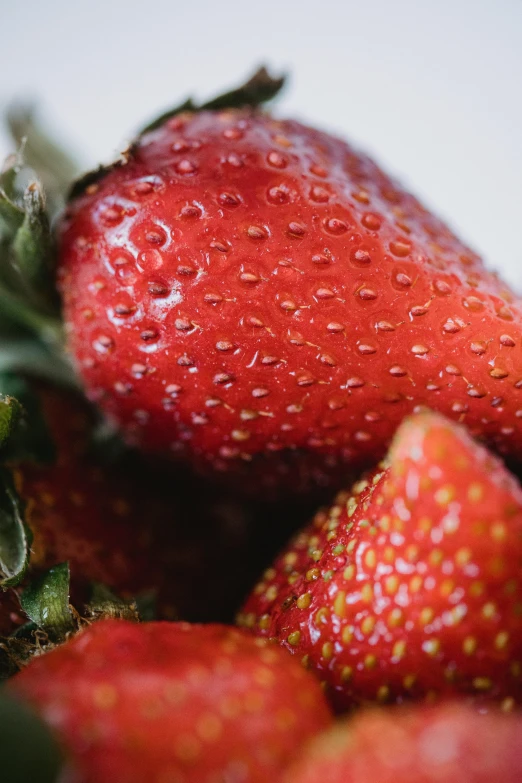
(445, 744)
(173, 702)
(125, 523)
(238, 286)
(410, 584)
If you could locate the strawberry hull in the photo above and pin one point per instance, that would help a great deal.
(241, 286)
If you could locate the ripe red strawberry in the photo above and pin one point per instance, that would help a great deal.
(445, 744)
(409, 586)
(128, 524)
(241, 286)
(170, 701)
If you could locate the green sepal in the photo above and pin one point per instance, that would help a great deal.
(46, 602)
(15, 536)
(28, 297)
(10, 414)
(56, 167)
(29, 438)
(260, 88)
(33, 251)
(24, 354)
(28, 748)
(105, 605)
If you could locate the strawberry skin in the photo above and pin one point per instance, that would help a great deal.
(170, 701)
(445, 744)
(242, 287)
(409, 585)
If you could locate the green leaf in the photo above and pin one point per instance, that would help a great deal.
(104, 604)
(46, 602)
(260, 88)
(30, 438)
(28, 749)
(15, 537)
(26, 355)
(27, 292)
(56, 167)
(33, 252)
(10, 414)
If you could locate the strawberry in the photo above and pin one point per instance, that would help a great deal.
(409, 585)
(239, 288)
(127, 524)
(443, 744)
(171, 701)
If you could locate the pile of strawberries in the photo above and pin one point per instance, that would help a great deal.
(253, 319)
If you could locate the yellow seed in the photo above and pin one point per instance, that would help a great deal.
(248, 620)
(475, 492)
(347, 634)
(290, 558)
(104, 696)
(476, 589)
(264, 622)
(489, 610)
(271, 593)
(515, 668)
(351, 546)
(482, 683)
(383, 693)
(346, 673)
(327, 650)
(349, 572)
(186, 747)
(340, 604)
(370, 558)
(395, 617)
(389, 554)
(367, 593)
(431, 646)
(399, 648)
(412, 553)
(209, 727)
(436, 556)
(305, 661)
(312, 574)
(445, 495)
(501, 640)
(469, 645)
(321, 615)
(447, 587)
(368, 624)
(304, 601)
(498, 531)
(426, 616)
(392, 584)
(463, 556)
(370, 661)
(409, 681)
(292, 579)
(425, 523)
(294, 638)
(415, 584)
(508, 704)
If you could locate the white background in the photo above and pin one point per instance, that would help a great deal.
(432, 89)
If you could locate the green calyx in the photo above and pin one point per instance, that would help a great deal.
(15, 536)
(46, 602)
(259, 89)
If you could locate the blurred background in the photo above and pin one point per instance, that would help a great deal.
(431, 89)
